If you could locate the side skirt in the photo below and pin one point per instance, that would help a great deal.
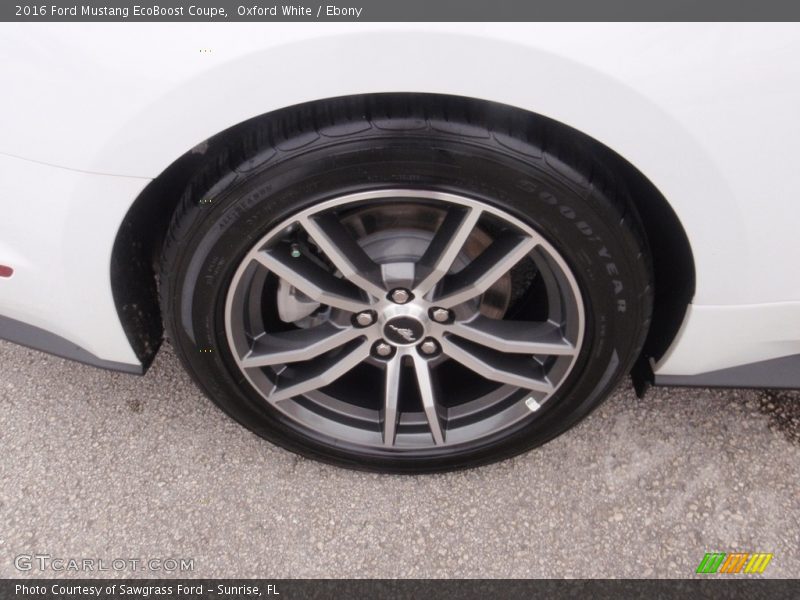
(39, 339)
(778, 373)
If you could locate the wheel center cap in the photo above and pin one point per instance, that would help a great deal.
(403, 330)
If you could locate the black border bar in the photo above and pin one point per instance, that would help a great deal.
(730, 587)
(398, 10)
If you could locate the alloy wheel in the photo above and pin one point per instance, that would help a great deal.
(404, 319)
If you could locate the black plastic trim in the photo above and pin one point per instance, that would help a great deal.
(135, 254)
(777, 373)
(39, 339)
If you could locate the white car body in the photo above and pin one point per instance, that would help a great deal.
(91, 113)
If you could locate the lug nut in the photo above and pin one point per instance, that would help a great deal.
(365, 318)
(400, 296)
(440, 315)
(383, 349)
(429, 346)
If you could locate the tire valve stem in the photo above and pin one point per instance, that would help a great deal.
(296, 252)
(532, 404)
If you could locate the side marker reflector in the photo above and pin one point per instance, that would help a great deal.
(6, 271)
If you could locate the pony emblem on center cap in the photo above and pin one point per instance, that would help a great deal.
(405, 333)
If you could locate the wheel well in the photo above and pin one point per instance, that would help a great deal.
(138, 244)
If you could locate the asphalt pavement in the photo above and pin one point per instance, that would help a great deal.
(105, 466)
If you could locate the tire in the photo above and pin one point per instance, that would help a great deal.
(266, 233)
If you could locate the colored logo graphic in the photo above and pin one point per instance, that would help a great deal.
(737, 562)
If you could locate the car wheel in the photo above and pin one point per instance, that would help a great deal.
(405, 291)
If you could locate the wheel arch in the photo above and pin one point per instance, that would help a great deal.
(140, 237)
